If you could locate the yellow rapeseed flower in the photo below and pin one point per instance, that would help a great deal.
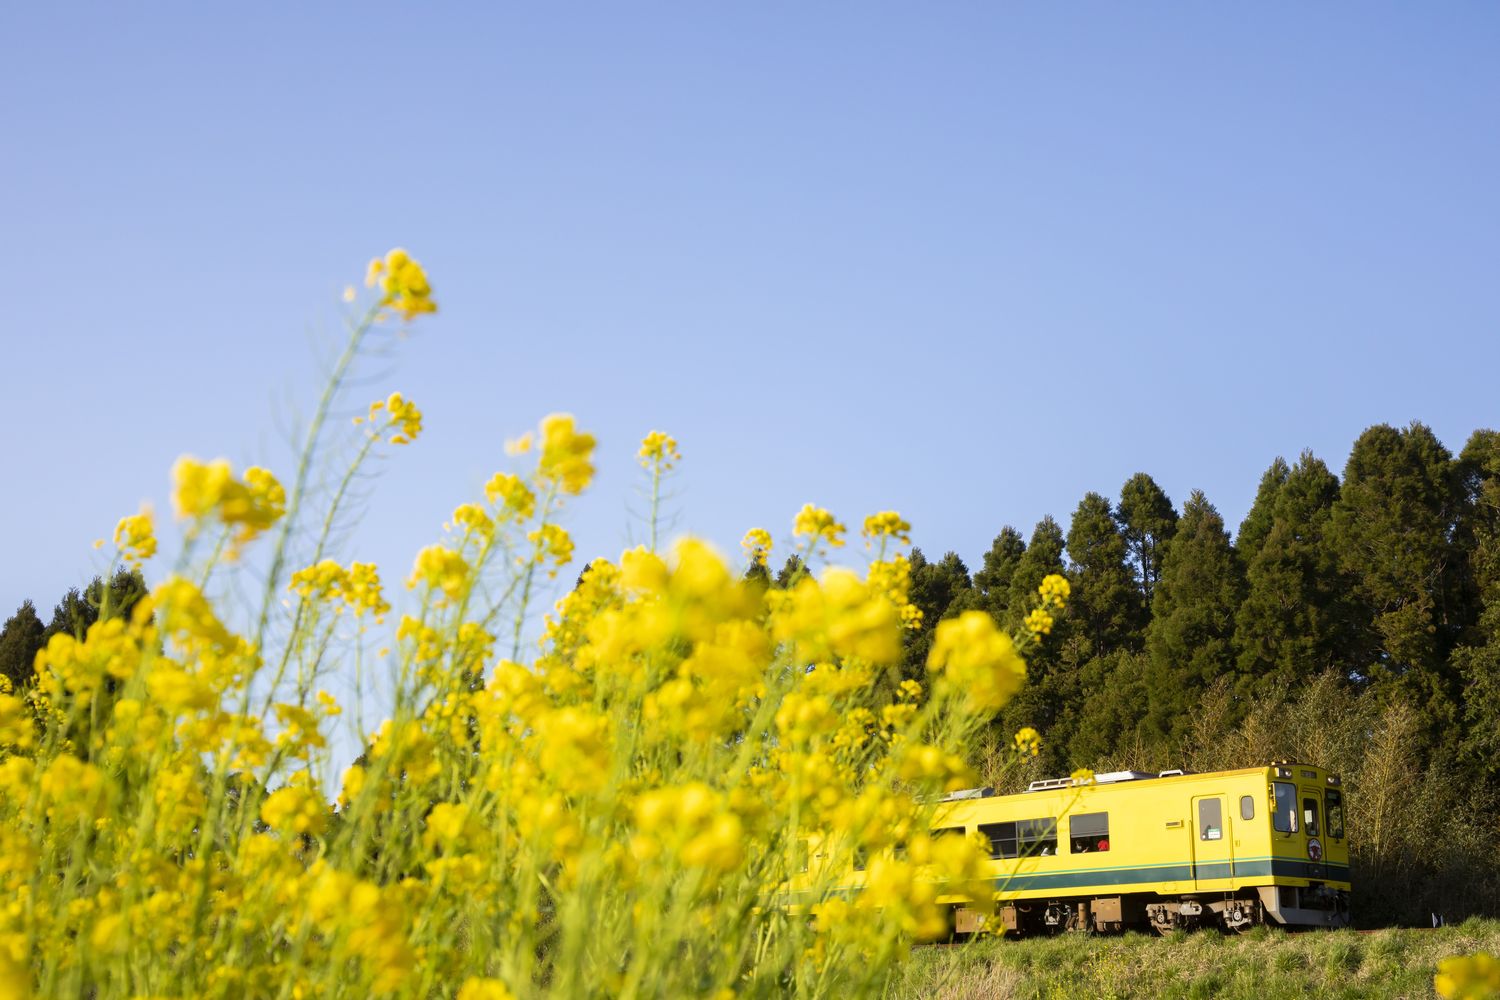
(553, 544)
(757, 545)
(567, 454)
(440, 568)
(887, 524)
(475, 988)
(659, 450)
(977, 659)
(362, 590)
(202, 489)
(136, 536)
(16, 728)
(403, 284)
(473, 520)
(1054, 590)
(295, 809)
(1038, 623)
(1468, 977)
(401, 415)
(511, 494)
(1028, 741)
(816, 523)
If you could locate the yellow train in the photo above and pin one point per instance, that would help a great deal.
(1230, 849)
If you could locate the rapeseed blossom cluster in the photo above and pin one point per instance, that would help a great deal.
(697, 783)
(1468, 977)
(659, 450)
(816, 524)
(402, 284)
(757, 545)
(205, 491)
(395, 413)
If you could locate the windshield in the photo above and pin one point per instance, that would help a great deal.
(1335, 812)
(1285, 817)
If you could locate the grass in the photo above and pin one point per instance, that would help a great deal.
(1265, 964)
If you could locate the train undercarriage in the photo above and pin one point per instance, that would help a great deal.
(1310, 906)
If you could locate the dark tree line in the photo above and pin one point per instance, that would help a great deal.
(24, 634)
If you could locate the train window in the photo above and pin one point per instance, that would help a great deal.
(1247, 807)
(948, 831)
(1310, 816)
(1210, 819)
(1335, 812)
(1088, 832)
(1037, 836)
(1285, 818)
(1002, 837)
(861, 859)
(799, 856)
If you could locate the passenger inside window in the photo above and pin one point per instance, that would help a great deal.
(1088, 832)
(1037, 836)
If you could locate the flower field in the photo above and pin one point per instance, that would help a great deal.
(617, 810)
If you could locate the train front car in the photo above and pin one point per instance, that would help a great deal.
(1309, 848)
(1230, 849)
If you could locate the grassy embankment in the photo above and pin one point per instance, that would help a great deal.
(1264, 964)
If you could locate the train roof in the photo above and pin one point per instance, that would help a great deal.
(1112, 778)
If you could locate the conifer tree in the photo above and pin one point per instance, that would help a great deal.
(1189, 640)
(935, 587)
(1043, 556)
(1105, 608)
(1477, 660)
(1293, 620)
(1257, 523)
(20, 639)
(791, 571)
(993, 579)
(1147, 520)
(1036, 704)
(1391, 532)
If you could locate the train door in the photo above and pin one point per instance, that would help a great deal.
(1213, 854)
(1312, 826)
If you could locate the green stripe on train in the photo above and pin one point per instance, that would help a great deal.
(1151, 874)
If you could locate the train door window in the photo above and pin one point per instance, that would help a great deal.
(799, 856)
(1088, 832)
(1285, 818)
(1310, 815)
(861, 859)
(1002, 838)
(1037, 836)
(1247, 807)
(1335, 812)
(1210, 819)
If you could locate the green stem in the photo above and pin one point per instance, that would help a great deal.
(304, 464)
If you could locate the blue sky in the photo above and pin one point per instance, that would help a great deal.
(967, 261)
